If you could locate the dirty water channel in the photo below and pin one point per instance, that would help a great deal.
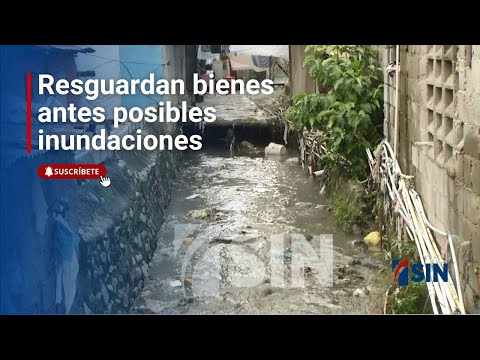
(215, 251)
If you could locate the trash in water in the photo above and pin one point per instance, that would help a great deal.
(246, 144)
(373, 238)
(175, 283)
(303, 205)
(199, 214)
(192, 196)
(273, 148)
(359, 293)
(222, 241)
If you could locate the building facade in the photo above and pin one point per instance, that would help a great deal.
(439, 142)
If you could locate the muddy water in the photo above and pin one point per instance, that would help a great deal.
(226, 257)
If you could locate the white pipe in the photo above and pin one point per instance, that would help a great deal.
(448, 290)
(425, 258)
(422, 213)
(397, 91)
(431, 290)
(419, 229)
(457, 275)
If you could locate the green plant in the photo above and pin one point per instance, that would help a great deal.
(348, 106)
(410, 299)
(395, 248)
(349, 201)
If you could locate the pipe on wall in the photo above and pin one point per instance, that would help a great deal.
(397, 91)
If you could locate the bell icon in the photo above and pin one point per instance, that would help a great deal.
(48, 171)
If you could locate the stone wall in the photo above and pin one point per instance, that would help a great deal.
(119, 227)
(439, 142)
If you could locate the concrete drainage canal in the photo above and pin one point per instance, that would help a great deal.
(251, 234)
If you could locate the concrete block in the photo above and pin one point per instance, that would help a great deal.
(475, 116)
(454, 220)
(428, 198)
(458, 133)
(462, 109)
(471, 206)
(420, 181)
(469, 266)
(423, 66)
(464, 253)
(414, 156)
(475, 74)
(441, 207)
(475, 177)
(451, 191)
(467, 171)
(427, 166)
(475, 231)
(413, 65)
(439, 177)
(466, 230)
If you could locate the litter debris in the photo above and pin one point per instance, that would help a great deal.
(359, 293)
(275, 149)
(175, 283)
(222, 241)
(246, 144)
(192, 196)
(199, 214)
(373, 238)
(303, 205)
(188, 240)
(318, 173)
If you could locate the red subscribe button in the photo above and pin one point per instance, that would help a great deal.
(71, 171)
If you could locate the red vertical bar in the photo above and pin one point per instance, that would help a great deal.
(29, 112)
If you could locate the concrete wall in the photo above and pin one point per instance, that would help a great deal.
(300, 80)
(440, 103)
(178, 60)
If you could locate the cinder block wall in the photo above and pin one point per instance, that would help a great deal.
(439, 102)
